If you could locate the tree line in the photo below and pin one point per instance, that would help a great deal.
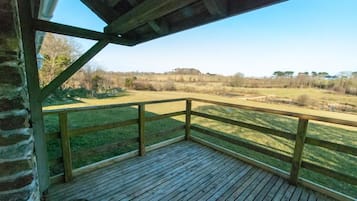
(59, 52)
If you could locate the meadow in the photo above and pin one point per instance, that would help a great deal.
(82, 145)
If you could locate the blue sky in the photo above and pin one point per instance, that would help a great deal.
(297, 35)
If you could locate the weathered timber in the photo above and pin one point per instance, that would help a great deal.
(58, 28)
(298, 150)
(331, 146)
(329, 172)
(145, 12)
(86, 130)
(243, 144)
(281, 112)
(66, 147)
(66, 74)
(34, 91)
(188, 119)
(141, 128)
(262, 129)
(101, 107)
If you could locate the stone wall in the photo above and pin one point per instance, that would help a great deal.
(17, 161)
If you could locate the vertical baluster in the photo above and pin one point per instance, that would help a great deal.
(298, 150)
(141, 111)
(66, 146)
(188, 119)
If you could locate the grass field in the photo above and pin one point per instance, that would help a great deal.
(82, 145)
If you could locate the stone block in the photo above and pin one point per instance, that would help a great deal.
(13, 167)
(11, 76)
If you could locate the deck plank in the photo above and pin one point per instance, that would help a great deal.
(182, 171)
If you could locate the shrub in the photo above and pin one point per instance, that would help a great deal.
(143, 85)
(304, 100)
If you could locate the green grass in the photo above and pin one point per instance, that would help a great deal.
(340, 162)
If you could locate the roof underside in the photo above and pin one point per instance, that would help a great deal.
(144, 20)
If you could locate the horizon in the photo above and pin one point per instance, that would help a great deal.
(297, 35)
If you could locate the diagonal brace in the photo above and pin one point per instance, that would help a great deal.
(66, 74)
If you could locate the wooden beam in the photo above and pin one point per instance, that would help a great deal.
(298, 151)
(145, 12)
(33, 86)
(57, 28)
(216, 7)
(141, 125)
(188, 119)
(66, 146)
(66, 74)
(102, 10)
(158, 28)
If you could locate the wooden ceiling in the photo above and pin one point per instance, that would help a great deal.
(143, 20)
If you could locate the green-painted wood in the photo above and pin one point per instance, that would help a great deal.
(145, 12)
(58, 28)
(298, 150)
(66, 146)
(331, 146)
(281, 112)
(87, 130)
(66, 74)
(141, 124)
(33, 87)
(163, 116)
(243, 144)
(262, 129)
(188, 119)
(329, 172)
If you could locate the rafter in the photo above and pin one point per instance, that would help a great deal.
(66, 74)
(216, 7)
(52, 27)
(158, 28)
(145, 12)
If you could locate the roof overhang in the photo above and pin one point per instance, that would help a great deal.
(143, 20)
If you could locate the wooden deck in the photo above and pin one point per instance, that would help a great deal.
(182, 171)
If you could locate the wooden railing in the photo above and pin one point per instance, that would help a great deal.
(65, 133)
(299, 138)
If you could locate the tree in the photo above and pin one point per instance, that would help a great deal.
(58, 52)
(278, 74)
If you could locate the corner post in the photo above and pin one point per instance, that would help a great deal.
(141, 124)
(37, 123)
(188, 119)
(298, 150)
(66, 146)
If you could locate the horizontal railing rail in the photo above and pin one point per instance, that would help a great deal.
(298, 139)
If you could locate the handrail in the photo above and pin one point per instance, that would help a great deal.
(281, 112)
(101, 107)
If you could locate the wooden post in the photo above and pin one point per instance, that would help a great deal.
(299, 147)
(66, 147)
(34, 90)
(141, 123)
(188, 119)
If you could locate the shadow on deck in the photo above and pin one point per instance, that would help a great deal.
(181, 171)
